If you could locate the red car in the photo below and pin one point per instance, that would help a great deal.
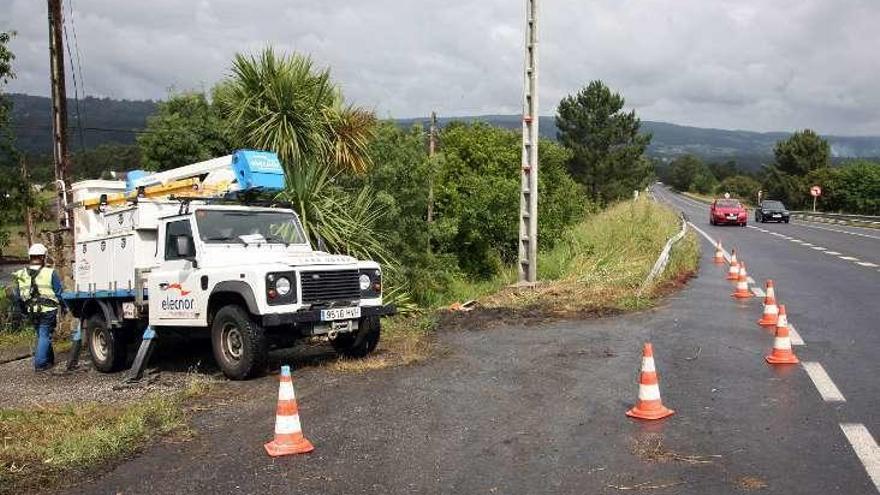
(725, 211)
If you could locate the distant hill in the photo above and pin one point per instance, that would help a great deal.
(749, 149)
(118, 121)
(104, 120)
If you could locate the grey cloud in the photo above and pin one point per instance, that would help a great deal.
(748, 64)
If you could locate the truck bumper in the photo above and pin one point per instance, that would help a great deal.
(314, 315)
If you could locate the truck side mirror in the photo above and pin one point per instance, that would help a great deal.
(322, 246)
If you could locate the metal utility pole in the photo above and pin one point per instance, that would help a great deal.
(528, 219)
(59, 109)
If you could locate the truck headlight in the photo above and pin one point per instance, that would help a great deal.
(370, 281)
(281, 288)
(282, 285)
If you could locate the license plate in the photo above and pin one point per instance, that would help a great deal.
(731, 217)
(777, 215)
(340, 314)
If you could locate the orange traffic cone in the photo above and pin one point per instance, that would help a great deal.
(782, 353)
(719, 254)
(742, 285)
(649, 405)
(288, 431)
(733, 271)
(771, 310)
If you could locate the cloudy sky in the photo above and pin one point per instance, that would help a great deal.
(739, 64)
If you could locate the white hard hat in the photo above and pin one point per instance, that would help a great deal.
(37, 250)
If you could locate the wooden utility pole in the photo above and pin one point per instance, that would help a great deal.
(59, 109)
(528, 216)
(28, 213)
(432, 145)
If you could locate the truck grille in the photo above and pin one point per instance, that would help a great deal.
(330, 286)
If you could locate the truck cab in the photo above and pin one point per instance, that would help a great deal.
(245, 275)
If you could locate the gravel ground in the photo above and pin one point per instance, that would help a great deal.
(21, 387)
(171, 368)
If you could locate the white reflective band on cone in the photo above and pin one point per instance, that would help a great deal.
(287, 424)
(771, 309)
(649, 392)
(782, 343)
(782, 321)
(648, 364)
(285, 391)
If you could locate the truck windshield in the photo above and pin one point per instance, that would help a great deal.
(249, 227)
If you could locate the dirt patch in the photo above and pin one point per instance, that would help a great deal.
(751, 483)
(482, 318)
(650, 448)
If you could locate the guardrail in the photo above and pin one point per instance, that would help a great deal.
(663, 259)
(838, 218)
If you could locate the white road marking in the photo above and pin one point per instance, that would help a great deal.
(848, 258)
(859, 234)
(866, 449)
(758, 292)
(827, 389)
(808, 244)
(868, 264)
(819, 248)
(711, 241)
(794, 335)
(792, 239)
(832, 253)
(750, 280)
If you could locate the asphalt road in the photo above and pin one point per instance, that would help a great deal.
(540, 409)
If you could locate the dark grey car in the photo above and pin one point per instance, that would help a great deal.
(771, 210)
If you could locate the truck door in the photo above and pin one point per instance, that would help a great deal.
(174, 291)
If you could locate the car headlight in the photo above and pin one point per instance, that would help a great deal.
(282, 285)
(364, 281)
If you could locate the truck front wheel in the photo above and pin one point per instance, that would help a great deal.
(239, 343)
(359, 344)
(107, 345)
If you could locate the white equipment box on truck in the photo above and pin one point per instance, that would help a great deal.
(181, 251)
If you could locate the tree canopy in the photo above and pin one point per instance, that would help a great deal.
(185, 129)
(607, 150)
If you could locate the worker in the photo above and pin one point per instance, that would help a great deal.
(37, 289)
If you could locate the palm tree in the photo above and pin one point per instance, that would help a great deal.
(287, 105)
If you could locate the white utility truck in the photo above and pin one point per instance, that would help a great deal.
(184, 250)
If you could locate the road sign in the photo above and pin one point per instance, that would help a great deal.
(816, 191)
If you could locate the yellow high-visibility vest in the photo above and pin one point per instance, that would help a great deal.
(47, 300)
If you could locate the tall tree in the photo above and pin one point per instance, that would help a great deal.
(690, 173)
(13, 191)
(185, 129)
(802, 153)
(607, 148)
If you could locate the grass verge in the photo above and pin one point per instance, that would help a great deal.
(44, 443)
(702, 198)
(20, 339)
(601, 265)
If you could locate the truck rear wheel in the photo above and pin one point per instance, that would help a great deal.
(107, 345)
(239, 343)
(359, 344)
